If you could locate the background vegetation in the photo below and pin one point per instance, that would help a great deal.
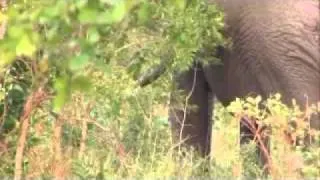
(70, 104)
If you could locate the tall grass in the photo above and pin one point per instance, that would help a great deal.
(120, 134)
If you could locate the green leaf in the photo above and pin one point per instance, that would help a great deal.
(119, 11)
(2, 95)
(3, 17)
(277, 96)
(181, 4)
(250, 100)
(104, 18)
(235, 106)
(162, 120)
(79, 62)
(25, 46)
(81, 83)
(144, 13)
(109, 2)
(52, 12)
(15, 32)
(93, 35)
(6, 57)
(63, 93)
(88, 15)
(81, 4)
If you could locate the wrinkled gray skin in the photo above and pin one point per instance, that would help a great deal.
(275, 49)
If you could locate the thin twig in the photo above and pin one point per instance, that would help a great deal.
(186, 105)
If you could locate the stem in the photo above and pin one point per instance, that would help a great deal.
(33, 101)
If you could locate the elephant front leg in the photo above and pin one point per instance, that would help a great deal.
(190, 116)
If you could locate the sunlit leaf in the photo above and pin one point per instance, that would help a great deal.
(61, 85)
(15, 32)
(6, 57)
(79, 62)
(105, 17)
(3, 17)
(81, 3)
(119, 11)
(25, 46)
(2, 95)
(43, 65)
(88, 15)
(93, 35)
(110, 2)
(179, 3)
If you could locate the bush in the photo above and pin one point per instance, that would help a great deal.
(70, 108)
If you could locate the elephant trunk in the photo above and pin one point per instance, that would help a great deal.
(152, 74)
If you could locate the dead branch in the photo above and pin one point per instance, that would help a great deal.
(261, 143)
(33, 101)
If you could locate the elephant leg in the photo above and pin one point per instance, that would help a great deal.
(191, 119)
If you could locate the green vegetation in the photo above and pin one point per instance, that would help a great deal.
(70, 106)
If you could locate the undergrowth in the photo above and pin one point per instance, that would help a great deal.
(121, 135)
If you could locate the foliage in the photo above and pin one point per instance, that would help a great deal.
(97, 122)
(294, 145)
(94, 47)
(62, 44)
(65, 37)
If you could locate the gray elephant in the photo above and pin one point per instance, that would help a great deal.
(275, 49)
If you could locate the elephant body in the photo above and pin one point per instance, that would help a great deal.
(275, 49)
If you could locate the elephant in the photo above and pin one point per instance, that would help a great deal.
(275, 49)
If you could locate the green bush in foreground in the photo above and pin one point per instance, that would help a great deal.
(110, 127)
(130, 137)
